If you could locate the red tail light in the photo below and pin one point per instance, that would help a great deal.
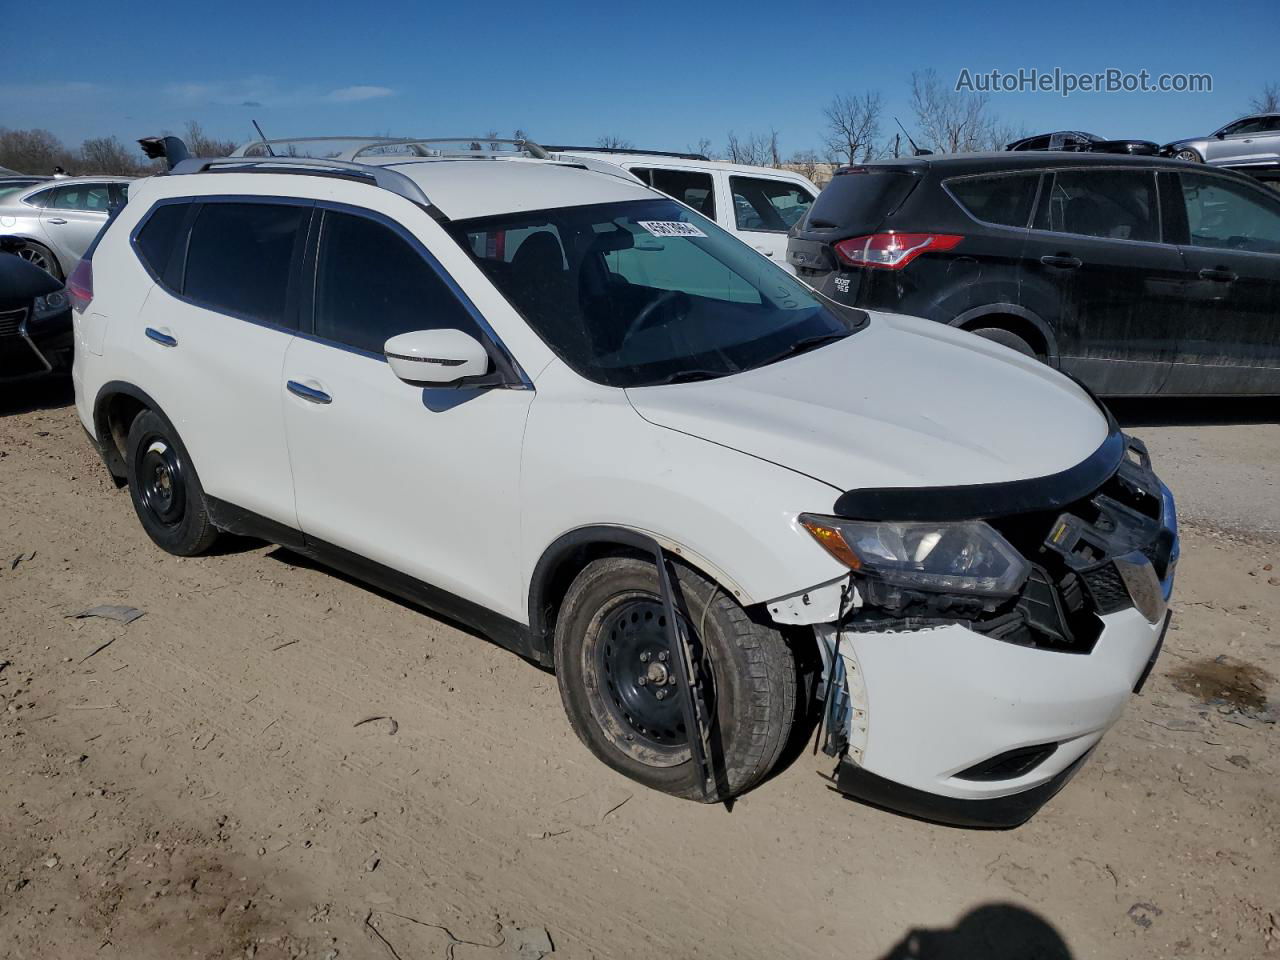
(80, 286)
(893, 251)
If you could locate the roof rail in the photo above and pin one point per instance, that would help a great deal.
(634, 150)
(387, 179)
(350, 148)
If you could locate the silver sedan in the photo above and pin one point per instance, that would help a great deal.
(52, 223)
(1248, 142)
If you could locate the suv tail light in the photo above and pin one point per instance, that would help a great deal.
(80, 285)
(893, 251)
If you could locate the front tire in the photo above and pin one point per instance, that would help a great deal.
(1189, 155)
(165, 490)
(611, 657)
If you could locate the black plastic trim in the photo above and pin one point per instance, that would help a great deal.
(996, 813)
(502, 630)
(980, 501)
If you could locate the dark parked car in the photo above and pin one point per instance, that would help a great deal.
(1139, 275)
(35, 321)
(1077, 141)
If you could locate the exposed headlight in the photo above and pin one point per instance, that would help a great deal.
(50, 304)
(966, 557)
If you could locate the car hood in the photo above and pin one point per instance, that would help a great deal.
(1193, 142)
(902, 403)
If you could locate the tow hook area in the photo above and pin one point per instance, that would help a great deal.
(846, 712)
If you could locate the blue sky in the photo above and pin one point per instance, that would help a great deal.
(660, 74)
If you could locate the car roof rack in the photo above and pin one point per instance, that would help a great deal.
(352, 148)
(383, 177)
(632, 150)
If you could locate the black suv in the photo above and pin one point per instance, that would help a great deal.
(1137, 274)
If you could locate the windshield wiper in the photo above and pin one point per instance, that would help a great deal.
(688, 376)
(805, 345)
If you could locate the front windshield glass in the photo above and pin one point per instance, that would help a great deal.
(648, 292)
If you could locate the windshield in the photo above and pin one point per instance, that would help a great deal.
(648, 292)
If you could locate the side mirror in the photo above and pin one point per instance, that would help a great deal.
(436, 356)
(1219, 135)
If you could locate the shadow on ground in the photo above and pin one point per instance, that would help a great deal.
(1190, 411)
(994, 931)
(46, 393)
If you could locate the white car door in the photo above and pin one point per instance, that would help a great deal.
(213, 339)
(764, 209)
(422, 480)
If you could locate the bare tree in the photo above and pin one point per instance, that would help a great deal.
(853, 126)
(950, 121)
(108, 155)
(703, 146)
(1268, 101)
(805, 162)
(33, 151)
(613, 142)
(201, 144)
(755, 149)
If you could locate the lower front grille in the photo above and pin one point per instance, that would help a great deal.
(1107, 590)
(11, 322)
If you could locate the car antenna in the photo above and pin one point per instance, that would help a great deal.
(914, 149)
(263, 137)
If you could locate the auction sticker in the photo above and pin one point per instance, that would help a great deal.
(671, 228)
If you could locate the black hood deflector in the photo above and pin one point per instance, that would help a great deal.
(982, 501)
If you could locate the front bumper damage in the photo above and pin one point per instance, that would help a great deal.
(980, 722)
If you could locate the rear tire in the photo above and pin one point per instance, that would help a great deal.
(611, 657)
(165, 490)
(40, 256)
(1008, 339)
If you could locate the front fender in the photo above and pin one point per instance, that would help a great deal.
(592, 465)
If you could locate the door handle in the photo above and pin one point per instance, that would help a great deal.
(308, 393)
(1221, 274)
(56, 220)
(1065, 261)
(162, 337)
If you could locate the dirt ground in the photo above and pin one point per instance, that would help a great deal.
(199, 782)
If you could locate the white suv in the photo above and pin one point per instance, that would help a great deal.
(560, 406)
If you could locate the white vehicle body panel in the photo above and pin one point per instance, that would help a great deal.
(940, 700)
(848, 416)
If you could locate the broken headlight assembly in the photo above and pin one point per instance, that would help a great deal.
(955, 569)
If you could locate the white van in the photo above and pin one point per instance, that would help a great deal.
(758, 205)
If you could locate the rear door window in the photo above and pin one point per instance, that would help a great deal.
(372, 284)
(1005, 200)
(691, 187)
(1113, 204)
(240, 258)
(87, 197)
(773, 206)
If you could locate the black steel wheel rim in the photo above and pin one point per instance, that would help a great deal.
(636, 678)
(161, 486)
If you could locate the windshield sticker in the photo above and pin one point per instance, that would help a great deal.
(671, 228)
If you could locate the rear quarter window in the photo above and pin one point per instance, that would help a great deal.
(156, 240)
(1006, 200)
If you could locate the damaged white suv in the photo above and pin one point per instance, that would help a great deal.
(572, 412)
